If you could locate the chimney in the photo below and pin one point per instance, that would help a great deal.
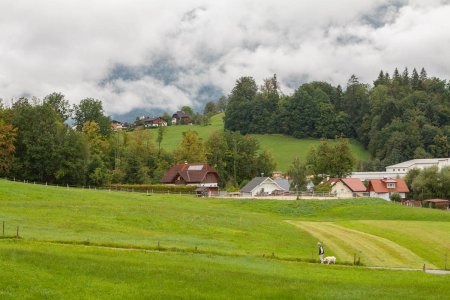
(185, 162)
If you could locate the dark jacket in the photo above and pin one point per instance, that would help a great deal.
(321, 250)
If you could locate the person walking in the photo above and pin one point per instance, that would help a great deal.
(321, 252)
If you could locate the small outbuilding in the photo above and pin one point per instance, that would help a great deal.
(438, 203)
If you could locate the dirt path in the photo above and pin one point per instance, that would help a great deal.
(373, 250)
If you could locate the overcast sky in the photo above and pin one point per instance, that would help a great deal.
(165, 54)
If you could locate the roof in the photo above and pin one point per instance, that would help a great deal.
(181, 114)
(191, 173)
(437, 200)
(409, 163)
(332, 181)
(283, 183)
(149, 119)
(255, 182)
(380, 185)
(354, 184)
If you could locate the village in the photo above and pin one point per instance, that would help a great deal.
(388, 185)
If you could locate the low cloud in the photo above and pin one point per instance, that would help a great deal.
(163, 55)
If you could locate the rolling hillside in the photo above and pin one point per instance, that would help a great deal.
(79, 243)
(284, 148)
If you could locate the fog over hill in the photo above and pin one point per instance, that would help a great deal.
(152, 56)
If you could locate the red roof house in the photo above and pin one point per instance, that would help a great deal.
(384, 188)
(200, 175)
(348, 187)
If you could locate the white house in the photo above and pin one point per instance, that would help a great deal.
(348, 188)
(260, 186)
(384, 188)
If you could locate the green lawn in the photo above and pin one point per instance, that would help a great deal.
(45, 271)
(284, 148)
(99, 244)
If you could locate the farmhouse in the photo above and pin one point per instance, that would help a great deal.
(154, 122)
(117, 125)
(203, 176)
(348, 187)
(384, 188)
(181, 117)
(261, 186)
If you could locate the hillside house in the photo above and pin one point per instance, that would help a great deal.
(201, 175)
(117, 125)
(348, 188)
(260, 186)
(181, 117)
(154, 122)
(384, 188)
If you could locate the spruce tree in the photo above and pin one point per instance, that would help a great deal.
(380, 80)
(423, 74)
(415, 82)
(405, 76)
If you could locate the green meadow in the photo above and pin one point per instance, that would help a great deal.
(77, 243)
(284, 148)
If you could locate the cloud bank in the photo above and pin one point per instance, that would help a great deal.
(161, 55)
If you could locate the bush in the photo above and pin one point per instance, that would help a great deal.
(396, 197)
(185, 189)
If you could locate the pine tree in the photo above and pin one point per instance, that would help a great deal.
(415, 82)
(396, 76)
(380, 80)
(405, 76)
(423, 74)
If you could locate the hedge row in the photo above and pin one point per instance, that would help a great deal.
(185, 189)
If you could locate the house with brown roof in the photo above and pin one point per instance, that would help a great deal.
(181, 117)
(384, 188)
(348, 188)
(205, 177)
(154, 122)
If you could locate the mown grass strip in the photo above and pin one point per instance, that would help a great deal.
(345, 243)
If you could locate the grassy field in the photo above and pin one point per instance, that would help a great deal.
(284, 148)
(99, 244)
(46, 271)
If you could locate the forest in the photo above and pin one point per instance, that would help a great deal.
(398, 118)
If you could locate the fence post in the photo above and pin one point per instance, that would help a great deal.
(3, 228)
(17, 233)
(354, 259)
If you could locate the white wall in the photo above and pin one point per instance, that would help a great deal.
(268, 187)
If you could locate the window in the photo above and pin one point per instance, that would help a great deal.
(391, 185)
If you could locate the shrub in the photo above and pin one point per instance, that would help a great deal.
(185, 189)
(396, 197)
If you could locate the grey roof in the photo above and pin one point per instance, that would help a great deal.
(283, 183)
(249, 187)
(409, 163)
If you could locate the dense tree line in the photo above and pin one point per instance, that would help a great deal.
(400, 117)
(429, 183)
(37, 144)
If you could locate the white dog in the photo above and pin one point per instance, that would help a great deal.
(329, 259)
